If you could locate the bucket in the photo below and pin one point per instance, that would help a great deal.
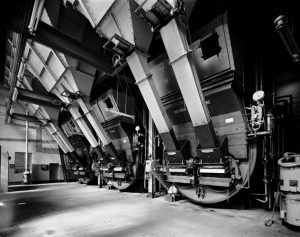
(293, 209)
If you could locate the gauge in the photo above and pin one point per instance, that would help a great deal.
(258, 95)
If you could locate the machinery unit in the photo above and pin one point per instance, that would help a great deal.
(193, 93)
(116, 111)
(208, 174)
(289, 188)
(80, 166)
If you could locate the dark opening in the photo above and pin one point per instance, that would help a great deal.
(210, 46)
(108, 103)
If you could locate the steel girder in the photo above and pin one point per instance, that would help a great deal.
(57, 40)
(24, 117)
(33, 97)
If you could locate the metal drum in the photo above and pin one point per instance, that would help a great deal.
(289, 186)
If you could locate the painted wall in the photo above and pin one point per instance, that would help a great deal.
(43, 148)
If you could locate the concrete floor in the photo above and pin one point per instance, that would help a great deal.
(80, 210)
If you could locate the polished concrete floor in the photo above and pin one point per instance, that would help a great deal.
(80, 210)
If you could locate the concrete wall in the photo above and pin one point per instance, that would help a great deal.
(41, 145)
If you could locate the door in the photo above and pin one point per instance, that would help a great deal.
(53, 171)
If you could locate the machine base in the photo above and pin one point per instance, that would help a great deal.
(173, 197)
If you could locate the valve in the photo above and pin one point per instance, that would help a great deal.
(257, 111)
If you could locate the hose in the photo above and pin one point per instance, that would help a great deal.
(271, 221)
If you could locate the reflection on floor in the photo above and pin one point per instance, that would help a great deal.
(80, 210)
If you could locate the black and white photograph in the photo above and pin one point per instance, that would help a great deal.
(149, 118)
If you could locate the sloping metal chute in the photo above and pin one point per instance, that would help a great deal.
(119, 22)
(57, 74)
(48, 116)
(127, 25)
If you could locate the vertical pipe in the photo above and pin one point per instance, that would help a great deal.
(257, 71)
(26, 145)
(260, 71)
(150, 138)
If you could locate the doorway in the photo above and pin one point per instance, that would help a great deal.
(53, 172)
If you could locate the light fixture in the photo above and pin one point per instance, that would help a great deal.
(71, 95)
(287, 37)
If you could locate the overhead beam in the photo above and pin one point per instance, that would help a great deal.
(33, 97)
(23, 117)
(57, 40)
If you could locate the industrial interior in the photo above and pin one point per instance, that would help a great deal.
(149, 118)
